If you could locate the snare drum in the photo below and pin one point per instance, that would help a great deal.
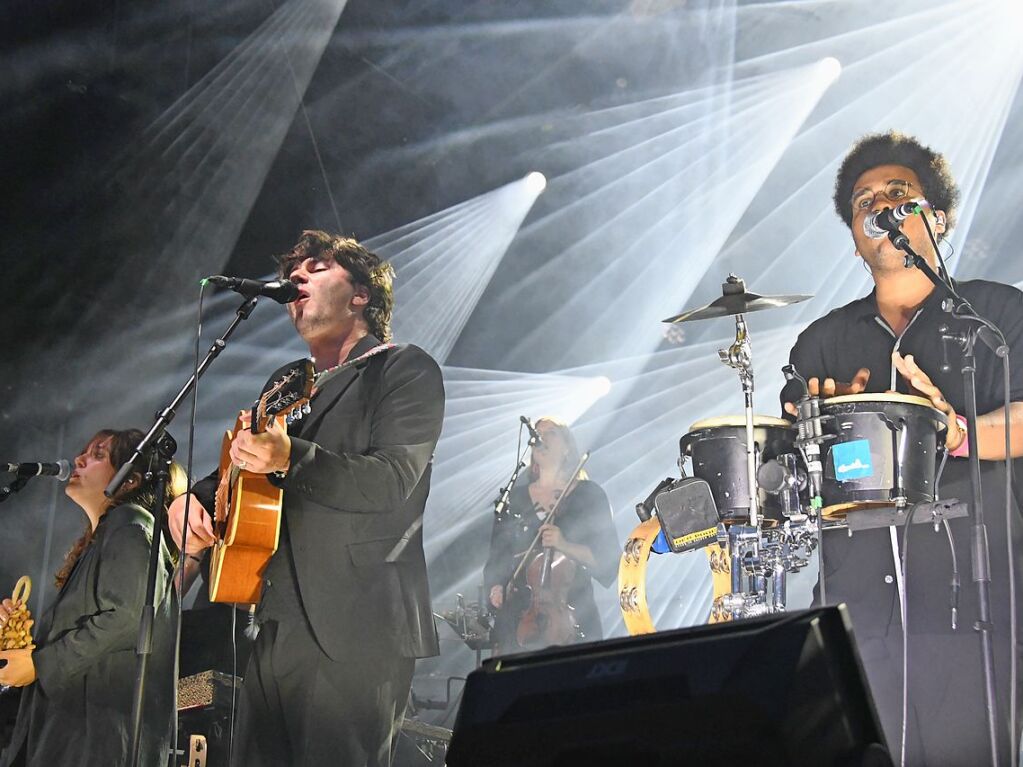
(882, 453)
(717, 447)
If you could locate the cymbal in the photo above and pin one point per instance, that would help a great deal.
(735, 299)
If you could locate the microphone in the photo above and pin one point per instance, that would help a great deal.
(281, 291)
(534, 435)
(61, 469)
(881, 223)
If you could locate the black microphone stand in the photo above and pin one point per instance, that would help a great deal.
(959, 307)
(501, 504)
(157, 439)
(19, 482)
(163, 455)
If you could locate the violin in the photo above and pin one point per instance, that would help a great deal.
(549, 619)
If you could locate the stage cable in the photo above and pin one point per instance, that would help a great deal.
(182, 556)
(234, 682)
(899, 560)
(1011, 553)
(312, 135)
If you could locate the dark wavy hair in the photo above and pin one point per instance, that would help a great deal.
(122, 446)
(365, 267)
(894, 148)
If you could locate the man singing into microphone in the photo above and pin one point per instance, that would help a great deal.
(890, 340)
(345, 608)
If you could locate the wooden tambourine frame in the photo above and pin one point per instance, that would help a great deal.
(632, 592)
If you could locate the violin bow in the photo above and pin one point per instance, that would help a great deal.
(557, 505)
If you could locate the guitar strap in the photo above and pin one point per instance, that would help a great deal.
(326, 375)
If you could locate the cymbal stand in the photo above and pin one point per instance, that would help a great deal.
(747, 599)
(739, 356)
(760, 555)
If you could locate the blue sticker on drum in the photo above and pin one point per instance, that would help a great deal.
(851, 460)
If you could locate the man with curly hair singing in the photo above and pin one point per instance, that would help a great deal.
(891, 341)
(345, 609)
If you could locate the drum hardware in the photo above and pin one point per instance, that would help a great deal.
(759, 540)
(899, 436)
(748, 597)
(739, 357)
(811, 436)
(760, 561)
(934, 512)
(645, 508)
(783, 477)
(809, 441)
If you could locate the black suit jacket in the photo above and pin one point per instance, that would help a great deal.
(78, 711)
(354, 497)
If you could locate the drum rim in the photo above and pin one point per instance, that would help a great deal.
(838, 512)
(904, 399)
(759, 421)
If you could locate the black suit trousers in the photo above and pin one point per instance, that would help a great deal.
(298, 707)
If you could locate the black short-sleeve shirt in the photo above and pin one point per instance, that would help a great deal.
(860, 569)
(854, 336)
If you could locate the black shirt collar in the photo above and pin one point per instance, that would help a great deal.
(865, 309)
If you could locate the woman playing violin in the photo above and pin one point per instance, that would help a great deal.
(582, 532)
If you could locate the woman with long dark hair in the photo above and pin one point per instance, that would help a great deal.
(79, 677)
(582, 531)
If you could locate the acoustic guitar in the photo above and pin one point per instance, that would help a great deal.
(247, 520)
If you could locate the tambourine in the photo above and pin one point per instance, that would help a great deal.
(632, 572)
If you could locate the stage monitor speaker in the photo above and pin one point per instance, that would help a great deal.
(782, 690)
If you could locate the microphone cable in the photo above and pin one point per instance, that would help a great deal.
(182, 556)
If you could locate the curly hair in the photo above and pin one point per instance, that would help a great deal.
(365, 267)
(894, 148)
(121, 447)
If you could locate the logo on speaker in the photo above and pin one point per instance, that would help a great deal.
(609, 668)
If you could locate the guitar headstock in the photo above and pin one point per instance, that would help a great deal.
(286, 395)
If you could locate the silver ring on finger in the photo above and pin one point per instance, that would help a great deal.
(242, 464)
